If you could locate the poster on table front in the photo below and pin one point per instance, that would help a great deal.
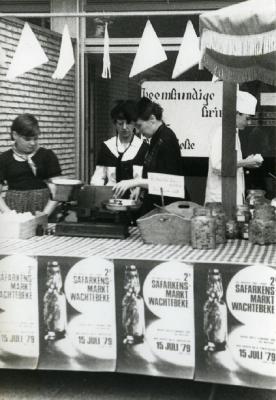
(19, 333)
(235, 320)
(155, 318)
(193, 110)
(77, 314)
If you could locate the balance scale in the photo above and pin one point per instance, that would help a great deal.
(98, 215)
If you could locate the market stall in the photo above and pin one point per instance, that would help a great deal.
(186, 296)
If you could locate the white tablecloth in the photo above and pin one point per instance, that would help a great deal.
(234, 251)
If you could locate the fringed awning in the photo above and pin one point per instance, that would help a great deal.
(238, 43)
(241, 69)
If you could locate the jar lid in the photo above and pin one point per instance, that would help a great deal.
(201, 211)
(256, 192)
(242, 207)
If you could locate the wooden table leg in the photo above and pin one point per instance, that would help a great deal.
(212, 394)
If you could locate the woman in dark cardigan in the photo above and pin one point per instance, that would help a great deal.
(163, 156)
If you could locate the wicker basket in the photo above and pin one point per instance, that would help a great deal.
(159, 227)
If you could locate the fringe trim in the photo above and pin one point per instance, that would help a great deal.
(235, 45)
(238, 75)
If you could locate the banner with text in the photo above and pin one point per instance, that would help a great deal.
(193, 110)
(236, 324)
(19, 335)
(77, 314)
(155, 318)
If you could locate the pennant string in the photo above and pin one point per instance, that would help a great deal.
(66, 56)
(106, 56)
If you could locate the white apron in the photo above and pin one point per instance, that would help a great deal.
(214, 179)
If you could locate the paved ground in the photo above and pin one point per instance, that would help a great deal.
(48, 385)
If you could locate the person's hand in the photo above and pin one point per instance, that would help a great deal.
(252, 161)
(121, 187)
(40, 214)
(135, 194)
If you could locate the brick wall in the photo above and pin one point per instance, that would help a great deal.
(51, 101)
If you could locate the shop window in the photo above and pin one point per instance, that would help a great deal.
(119, 27)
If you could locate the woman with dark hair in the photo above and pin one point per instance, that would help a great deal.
(25, 168)
(122, 156)
(163, 156)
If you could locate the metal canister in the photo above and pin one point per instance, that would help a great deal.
(203, 229)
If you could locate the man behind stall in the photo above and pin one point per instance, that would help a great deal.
(246, 106)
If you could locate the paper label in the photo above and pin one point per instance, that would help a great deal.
(171, 185)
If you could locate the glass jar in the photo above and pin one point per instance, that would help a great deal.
(218, 213)
(243, 213)
(262, 226)
(262, 231)
(244, 230)
(264, 211)
(203, 229)
(253, 195)
(243, 216)
(232, 229)
(273, 203)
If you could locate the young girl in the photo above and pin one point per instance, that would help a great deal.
(25, 168)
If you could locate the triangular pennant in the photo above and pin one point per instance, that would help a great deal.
(150, 51)
(28, 54)
(66, 55)
(3, 57)
(106, 57)
(189, 53)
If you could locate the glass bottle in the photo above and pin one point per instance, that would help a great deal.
(215, 313)
(54, 304)
(133, 309)
(203, 229)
